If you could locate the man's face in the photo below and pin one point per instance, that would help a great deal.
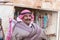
(27, 18)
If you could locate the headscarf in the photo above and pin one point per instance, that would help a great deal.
(25, 12)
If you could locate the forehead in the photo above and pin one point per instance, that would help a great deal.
(27, 14)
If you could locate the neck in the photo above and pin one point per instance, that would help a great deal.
(26, 23)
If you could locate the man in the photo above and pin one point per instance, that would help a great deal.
(26, 29)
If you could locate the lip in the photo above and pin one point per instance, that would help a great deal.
(28, 19)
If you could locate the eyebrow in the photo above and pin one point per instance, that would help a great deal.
(26, 13)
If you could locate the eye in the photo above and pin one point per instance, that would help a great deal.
(29, 15)
(25, 15)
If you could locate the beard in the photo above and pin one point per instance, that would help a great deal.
(28, 21)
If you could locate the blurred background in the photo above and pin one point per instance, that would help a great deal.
(46, 12)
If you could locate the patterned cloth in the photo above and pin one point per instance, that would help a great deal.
(24, 32)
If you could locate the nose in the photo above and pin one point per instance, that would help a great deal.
(29, 17)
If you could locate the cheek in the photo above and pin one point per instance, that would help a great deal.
(25, 17)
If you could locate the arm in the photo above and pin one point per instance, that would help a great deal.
(43, 35)
(40, 35)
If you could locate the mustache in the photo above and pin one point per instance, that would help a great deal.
(28, 19)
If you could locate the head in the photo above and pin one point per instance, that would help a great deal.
(26, 16)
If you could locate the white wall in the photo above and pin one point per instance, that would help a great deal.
(6, 12)
(59, 26)
(53, 27)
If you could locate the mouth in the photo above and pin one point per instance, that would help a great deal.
(28, 19)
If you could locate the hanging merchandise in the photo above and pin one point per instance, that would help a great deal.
(41, 21)
(49, 19)
(45, 20)
(12, 22)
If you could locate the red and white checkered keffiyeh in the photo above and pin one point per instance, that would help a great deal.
(25, 11)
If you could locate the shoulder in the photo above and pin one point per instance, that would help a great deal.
(18, 23)
(35, 24)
